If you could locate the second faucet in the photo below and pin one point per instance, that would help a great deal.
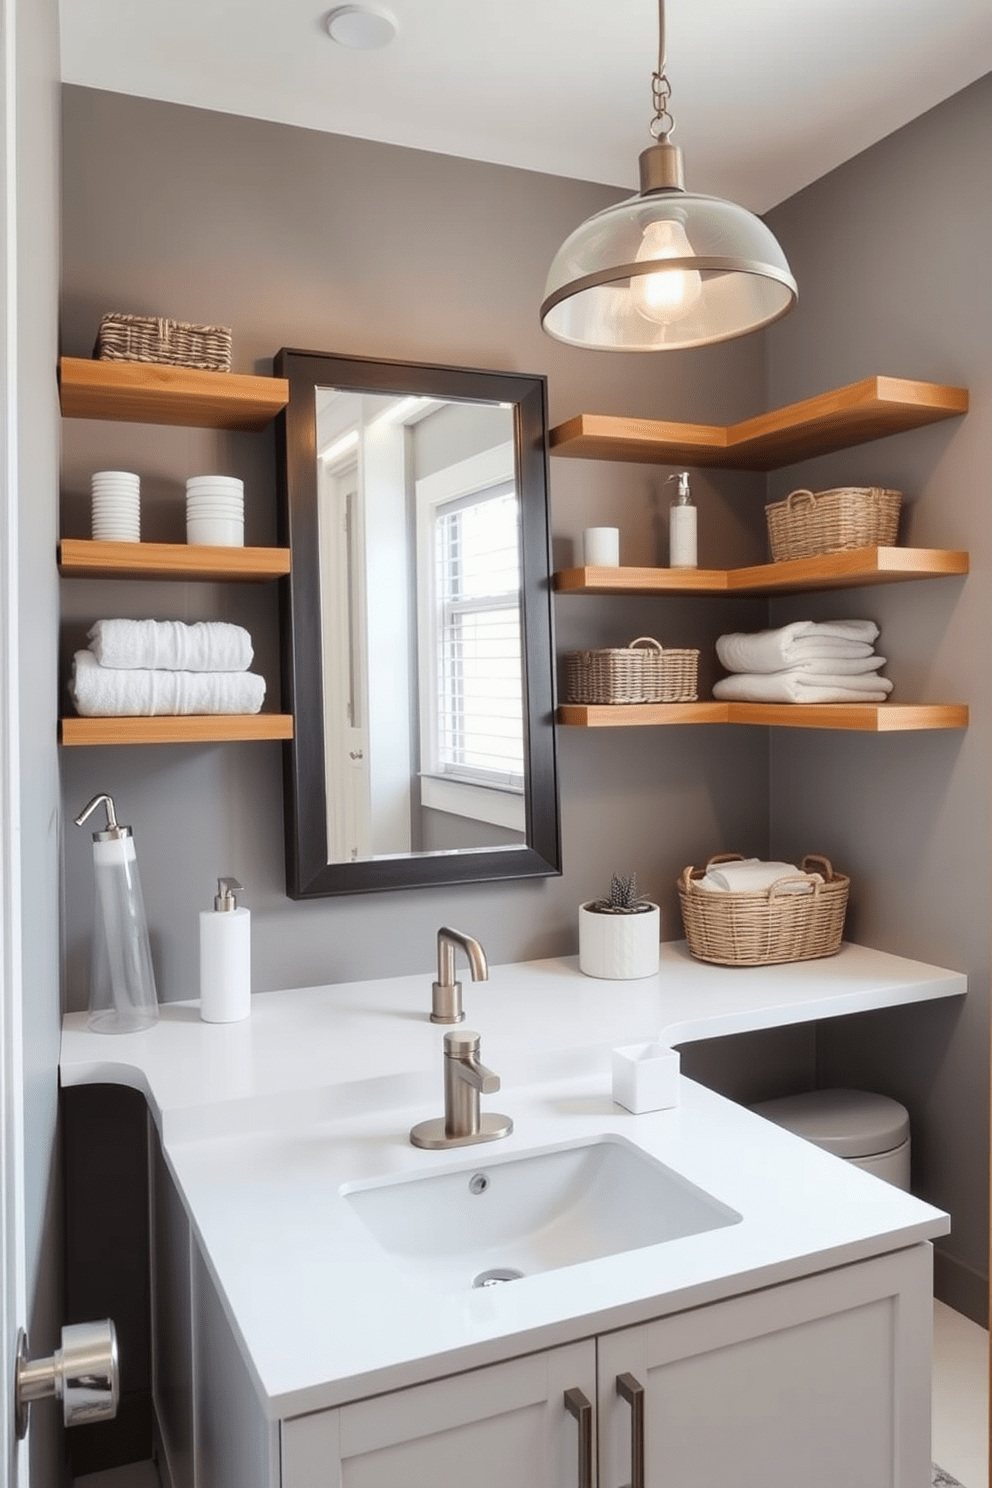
(446, 1003)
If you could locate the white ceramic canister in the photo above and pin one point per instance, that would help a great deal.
(619, 946)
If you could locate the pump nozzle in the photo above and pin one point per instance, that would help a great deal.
(112, 831)
(683, 497)
(224, 900)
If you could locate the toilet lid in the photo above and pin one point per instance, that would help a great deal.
(849, 1123)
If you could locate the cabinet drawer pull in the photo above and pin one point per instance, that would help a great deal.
(628, 1389)
(580, 1407)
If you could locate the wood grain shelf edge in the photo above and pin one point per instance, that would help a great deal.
(877, 718)
(151, 393)
(191, 729)
(855, 414)
(626, 715)
(82, 558)
(861, 566)
(595, 580)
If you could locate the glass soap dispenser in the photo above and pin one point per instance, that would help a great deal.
(122, 982)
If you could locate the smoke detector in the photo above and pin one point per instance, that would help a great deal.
(363, 28)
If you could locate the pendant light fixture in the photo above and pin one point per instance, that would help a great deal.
(665, 270)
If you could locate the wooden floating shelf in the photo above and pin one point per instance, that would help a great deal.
(871, 409)
(872, 718)
(150, 393)
(846, 570)
(82, 559)
(877, 718)
(192, 729)
(630, 715)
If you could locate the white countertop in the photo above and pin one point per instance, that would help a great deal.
(538, 1020)
(262, 1123)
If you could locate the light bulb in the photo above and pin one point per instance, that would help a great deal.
(671, 293)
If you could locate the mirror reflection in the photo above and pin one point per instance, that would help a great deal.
(418, 659)
(419, 531)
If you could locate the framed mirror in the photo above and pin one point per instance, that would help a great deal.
(417, 633)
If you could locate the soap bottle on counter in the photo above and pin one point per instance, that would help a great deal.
(225, 957)
(682, 526)
(122, 982)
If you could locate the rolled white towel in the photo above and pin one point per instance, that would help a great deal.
(799, 687)
(114, 692)
(752, 875)
(171, 645)
(803, 640)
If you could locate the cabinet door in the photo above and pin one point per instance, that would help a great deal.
(506, 1426)
(818, 1382)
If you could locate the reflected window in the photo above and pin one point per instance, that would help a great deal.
(478, 675)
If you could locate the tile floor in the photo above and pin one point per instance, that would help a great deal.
(960, 1397)
(960, 1409)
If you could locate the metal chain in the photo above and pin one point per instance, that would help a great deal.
(663, 123)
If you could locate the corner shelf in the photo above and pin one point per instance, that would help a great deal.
(845, 570)
(875, 718)
(82, 559)
(856, 414)
(151, 393)
(167, 729)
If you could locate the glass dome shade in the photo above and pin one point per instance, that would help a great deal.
(666, 270)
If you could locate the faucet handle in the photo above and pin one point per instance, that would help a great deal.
(463, 1046)
(461, 1043)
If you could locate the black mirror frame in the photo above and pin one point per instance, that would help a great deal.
(308, 873)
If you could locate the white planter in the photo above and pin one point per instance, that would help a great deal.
(619, 946)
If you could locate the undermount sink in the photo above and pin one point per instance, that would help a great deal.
(503, 1218)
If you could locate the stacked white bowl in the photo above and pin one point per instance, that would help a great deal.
(215, 510)
(116, 496)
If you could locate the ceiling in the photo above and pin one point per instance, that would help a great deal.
(767, 96)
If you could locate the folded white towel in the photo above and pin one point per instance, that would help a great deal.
(799, 687)
(803, 640)
(171, 645)
(752, 875)
(115, 692)
(836, 666)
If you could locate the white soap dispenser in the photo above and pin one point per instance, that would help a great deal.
(682, 526)
(122, 983)
(225, 957)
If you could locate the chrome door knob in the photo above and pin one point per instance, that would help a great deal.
(83, 1374)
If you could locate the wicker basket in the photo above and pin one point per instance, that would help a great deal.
(148, 338)
(766, 928)
(643, 672)
(811, 522)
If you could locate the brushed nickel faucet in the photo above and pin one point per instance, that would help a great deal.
(447, 992)
(465, 1079)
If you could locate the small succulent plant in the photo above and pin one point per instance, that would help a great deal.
(624, 898)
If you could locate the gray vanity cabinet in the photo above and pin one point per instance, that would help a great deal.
(492, 1427)
(819, 1382)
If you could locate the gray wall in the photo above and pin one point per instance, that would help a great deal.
(291, 238)
(35, 122)
(891, 255)
(295, 238)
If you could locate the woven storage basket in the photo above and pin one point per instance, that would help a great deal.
(643, 672)
(810, 522)
(766, 928)
(148, 338)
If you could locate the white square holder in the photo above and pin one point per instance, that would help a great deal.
(646, 1077)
